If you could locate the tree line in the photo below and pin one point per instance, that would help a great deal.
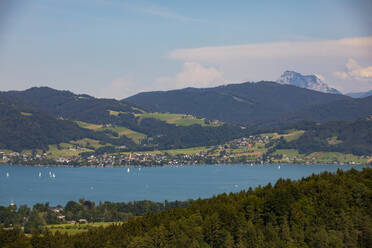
(326, 210)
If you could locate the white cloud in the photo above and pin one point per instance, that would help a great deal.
(266, 61)
(341, 74)
(360, 47)
(352, 65)
(192, 75)
(119, 88)
(355, 71)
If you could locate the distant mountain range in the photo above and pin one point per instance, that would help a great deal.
(38, 117)
(311, 82)
(360, 94)
(54, 116)
(253, 103)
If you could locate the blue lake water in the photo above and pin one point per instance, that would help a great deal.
(23, 185)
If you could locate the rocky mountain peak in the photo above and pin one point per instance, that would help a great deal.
(312, 82)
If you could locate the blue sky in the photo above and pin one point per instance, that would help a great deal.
(112, 48)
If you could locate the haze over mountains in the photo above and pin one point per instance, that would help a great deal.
(360, 94)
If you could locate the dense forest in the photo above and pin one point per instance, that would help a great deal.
(326, 210)
(341, 110)
(354, 137)
(240, 103)
(43, 214)
(72, 106)
(23, 127)
(49, 115)
(38, 117)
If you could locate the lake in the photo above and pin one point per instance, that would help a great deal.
(57, 185)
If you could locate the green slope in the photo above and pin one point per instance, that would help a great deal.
(246, 102)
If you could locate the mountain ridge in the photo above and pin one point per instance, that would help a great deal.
(312, 82)
(240, 103)
(360, 94)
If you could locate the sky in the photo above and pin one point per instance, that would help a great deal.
(114, 49)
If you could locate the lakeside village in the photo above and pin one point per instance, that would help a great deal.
(251, 150)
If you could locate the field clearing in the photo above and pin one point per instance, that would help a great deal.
(322, 157)
(290, 153)
(189, 122)
(133, 135)
(177, 119)
(292, 135)
(86, 142)
(167, 117)
(336, 156)
(189, 151)
(54, 152)
(88, 125)
(72, 229)
(186, 151)
(112, 112)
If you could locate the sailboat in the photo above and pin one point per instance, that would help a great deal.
(54, 175)
(7, 174)
(39, 174)
(128, 170)
(278, 167)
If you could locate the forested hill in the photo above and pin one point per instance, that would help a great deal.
(350, 137)
(341, 110)
(246, 102)
(72, 106)
(107, 121)
(22, 127)
(326, 210)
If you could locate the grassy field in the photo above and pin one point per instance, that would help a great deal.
(66, 150)
(86, 142)
(336, 156)
(294, 135)
(177, 119)
(135, 136)
(186, 151)
(321, 157)
(88, 125)
(290, 136)
(72, 229)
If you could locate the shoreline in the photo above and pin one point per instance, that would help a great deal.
(180, 165)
